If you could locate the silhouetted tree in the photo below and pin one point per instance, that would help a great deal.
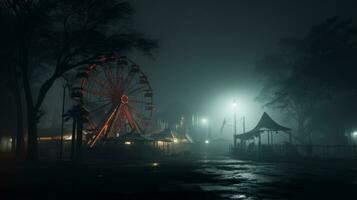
(78, 114)
(62, 35)
(10, 77)
(306, 72)
(331, 53)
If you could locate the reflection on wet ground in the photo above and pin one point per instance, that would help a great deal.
(198, 177)
(235, 179)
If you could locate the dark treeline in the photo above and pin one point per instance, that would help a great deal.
(56, 36)
(313, 80)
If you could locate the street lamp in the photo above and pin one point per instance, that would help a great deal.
(205, 123)
(65, 86)
(354, 135)
(235, 105)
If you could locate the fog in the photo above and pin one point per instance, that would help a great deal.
(209, 52)
(178, 99)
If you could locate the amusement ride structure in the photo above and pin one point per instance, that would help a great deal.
(117, 97)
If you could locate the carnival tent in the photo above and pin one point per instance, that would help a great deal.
(266, 123)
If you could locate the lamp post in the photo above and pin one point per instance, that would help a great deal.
(205, 122)
(354, 136)
(65, 86)
(235, 122)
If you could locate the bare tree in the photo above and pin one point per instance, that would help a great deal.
(10, 79)
(305, 72)
(64, 35)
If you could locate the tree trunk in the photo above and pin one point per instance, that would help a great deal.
(32, 151)
(73, 144)
(32, 114)
(62, 122)
(79, 134)
(20, 144)
(13, 143)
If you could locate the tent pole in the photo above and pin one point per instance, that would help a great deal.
(235, 141)
(259, 143)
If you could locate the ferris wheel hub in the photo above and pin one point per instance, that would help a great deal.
(124, 99)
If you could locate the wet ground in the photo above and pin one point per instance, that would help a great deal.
(200, 177)
(235, 179)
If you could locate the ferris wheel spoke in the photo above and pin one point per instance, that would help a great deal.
(139, 115)
(101, 100)
(128, 80)
(96, 102)
(100, 107)
(91, 125)
(133, 124)
(100, 83)
(138, 101)
(129, 86)
(135, 90)
(103, 128)
(132, 85)
(133, 110)
(96, 93)
(117, 121)
(109, 75)
(108, 78)
(119, 75)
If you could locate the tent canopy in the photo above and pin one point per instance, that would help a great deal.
(165, 136)
(132, 137)
(265, 123)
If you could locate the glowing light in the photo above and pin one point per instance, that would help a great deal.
(354, 134)
(235, 104)
(155, 164)
(127, 142)
(175, 140)
(67, 137)
(204, 121)
(45, 138)
(206, 141)
(160, 142)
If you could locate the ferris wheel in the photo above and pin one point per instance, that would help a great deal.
(117, 96)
